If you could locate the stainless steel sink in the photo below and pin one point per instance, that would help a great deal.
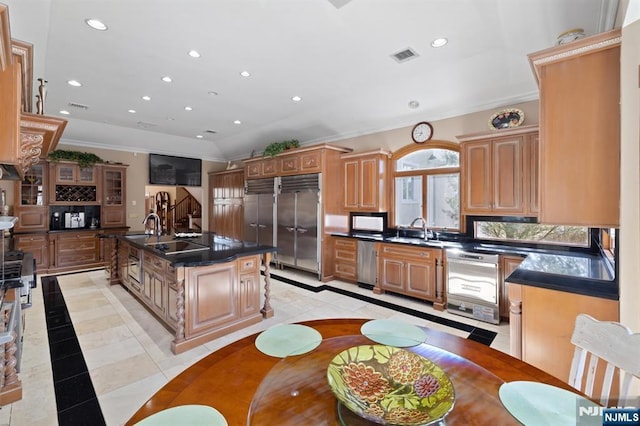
(422, 242)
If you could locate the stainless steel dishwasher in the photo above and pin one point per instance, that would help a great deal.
(367, 262)
(472, 285)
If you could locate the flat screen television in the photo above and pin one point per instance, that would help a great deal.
(178, 171)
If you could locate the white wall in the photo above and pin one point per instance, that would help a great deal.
(630, 170)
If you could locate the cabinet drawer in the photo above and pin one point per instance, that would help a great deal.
(77, 257)
(346, 244)
(30, 240)
(399, 250)
(76, 245)
(154, 262)
(346, 270)
(249, 264)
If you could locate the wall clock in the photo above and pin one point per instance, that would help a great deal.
(422, 132)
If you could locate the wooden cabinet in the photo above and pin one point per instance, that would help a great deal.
(508, 264)
(580, 159)
(222, 295)
(70, 249)
(36, 244)
(364, 180)
(10, 104)
(31, 201)
(542, 321)
(249, 290)
(259, 168)
(498, 172)
(114, 200)
(412, 271)
(153, 283)
(71, 184)
(72, 174)
(345, 255)
(226, 214)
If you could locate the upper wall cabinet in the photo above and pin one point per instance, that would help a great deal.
(364, 176)
(297, 161)
(580, 131)
(499, 172)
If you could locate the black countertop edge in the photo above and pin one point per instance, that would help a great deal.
(202, 257)
(60, 231)
(567, 284)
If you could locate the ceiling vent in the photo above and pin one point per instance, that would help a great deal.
(78, 106)
(405, 55)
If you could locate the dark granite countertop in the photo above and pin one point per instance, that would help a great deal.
(562, 270)
(218, 249)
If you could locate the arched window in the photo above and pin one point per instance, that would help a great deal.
(426, 183)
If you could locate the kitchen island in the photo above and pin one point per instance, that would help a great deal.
(200, 287)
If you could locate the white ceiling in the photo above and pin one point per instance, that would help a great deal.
(335, 54)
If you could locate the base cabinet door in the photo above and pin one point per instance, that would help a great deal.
(392, 277)
(410, 271)
(419, 282)
(212, 298)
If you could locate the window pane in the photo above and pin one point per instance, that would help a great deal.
(408, 199)
(443, 201)
(425, 159)
(533, 232)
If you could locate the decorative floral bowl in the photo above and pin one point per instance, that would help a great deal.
(389, 385)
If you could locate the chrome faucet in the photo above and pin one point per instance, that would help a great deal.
(427, 233)
(157, 222)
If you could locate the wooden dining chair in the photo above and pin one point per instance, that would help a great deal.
(610, 342)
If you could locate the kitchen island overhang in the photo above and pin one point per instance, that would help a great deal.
(202, 287)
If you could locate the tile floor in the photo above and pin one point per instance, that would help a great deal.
(127, 352)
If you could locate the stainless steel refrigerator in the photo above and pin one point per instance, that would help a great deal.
(259, 211)
(299, 222)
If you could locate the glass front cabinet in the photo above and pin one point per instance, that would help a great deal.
(31, 203)
(113, 196)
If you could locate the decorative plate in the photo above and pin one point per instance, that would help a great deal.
(390, 385)
(506, 118)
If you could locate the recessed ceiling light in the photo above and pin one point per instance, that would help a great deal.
(439, 42)
(74, 83)
(65, 112)
(237, 122)
(245, 73)
(146, 98)
(414, 104)
(212, 93)
(188, 108)
(199, 136)
(96, 24)
(296, 99)
(194, 54)
(132, 111)
(167, 79)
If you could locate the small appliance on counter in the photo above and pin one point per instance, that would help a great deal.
(56, 223)
(74, 220)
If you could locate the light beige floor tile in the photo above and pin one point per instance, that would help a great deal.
(128, 351)
(110, 377)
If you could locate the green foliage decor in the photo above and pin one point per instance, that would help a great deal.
(84, 159)
(276, 148)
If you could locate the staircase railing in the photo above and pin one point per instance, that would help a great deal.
(184, 210)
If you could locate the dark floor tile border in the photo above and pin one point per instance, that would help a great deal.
(76, 400)
(477, 334)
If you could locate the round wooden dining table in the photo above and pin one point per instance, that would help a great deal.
(249, 387)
